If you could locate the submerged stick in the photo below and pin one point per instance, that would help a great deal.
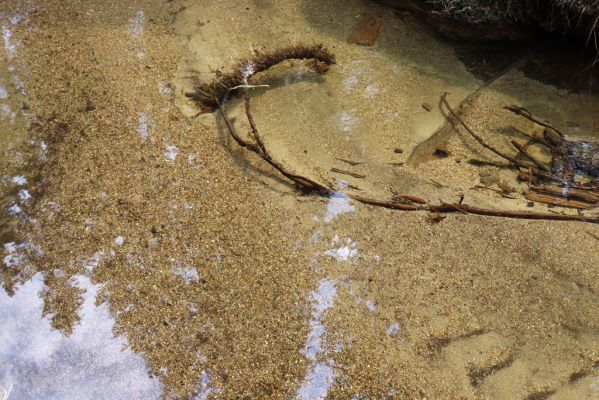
(350, 162)
(487, 146)
(474, 135)
(448, 208)
(298, 179)
(557, 201)
(528, 115)
(523, 151)
(568, 192)
(345, 172)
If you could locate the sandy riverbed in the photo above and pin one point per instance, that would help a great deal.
(223, 281)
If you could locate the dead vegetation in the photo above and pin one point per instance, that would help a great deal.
(579, 16)
(569, 180)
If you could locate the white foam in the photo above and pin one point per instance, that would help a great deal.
(188, 274)
(143, 127)
(136, 24)
(204, 389)
(393, 329)
(91, 263)
(171, 152)
(14, 257)
(24, 195)
(246, 71)
(9, 46)
(338, 204)
(14, 209)
(3, 93)
(19, 180)
(344, 253)
(317, 383)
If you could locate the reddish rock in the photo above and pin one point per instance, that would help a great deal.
(366, 31)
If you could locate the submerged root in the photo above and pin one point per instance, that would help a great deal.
(207, 94)
(213, 96)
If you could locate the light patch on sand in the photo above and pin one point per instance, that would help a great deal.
(91, 263)
(321, 376)
(164, 88)
(350, 82)
(136, 24)
(371, 91)
(119, 240)
(7, 112)
(345, 121)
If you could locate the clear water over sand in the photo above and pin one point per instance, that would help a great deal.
(146, 255)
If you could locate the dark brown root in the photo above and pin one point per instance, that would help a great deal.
(207, 94)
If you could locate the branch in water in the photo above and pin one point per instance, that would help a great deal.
(207, 94)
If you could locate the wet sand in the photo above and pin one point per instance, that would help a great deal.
(227, 281)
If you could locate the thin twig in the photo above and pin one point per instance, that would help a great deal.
(344, 172)
(350, 162)
(386, 203)
(557, 201)
(255, 133)
(528, 115)
(232, 130)
(500, 192)
(298, 179)
(475, 136)
(447, 208)
(593, 235)
(485, 145)
(523, 151)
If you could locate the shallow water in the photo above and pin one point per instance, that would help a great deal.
(146, 255)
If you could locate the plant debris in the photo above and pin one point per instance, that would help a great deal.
(221, 88)
(572, 178)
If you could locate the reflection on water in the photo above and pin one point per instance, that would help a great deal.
(321, 376)
(39, 362)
